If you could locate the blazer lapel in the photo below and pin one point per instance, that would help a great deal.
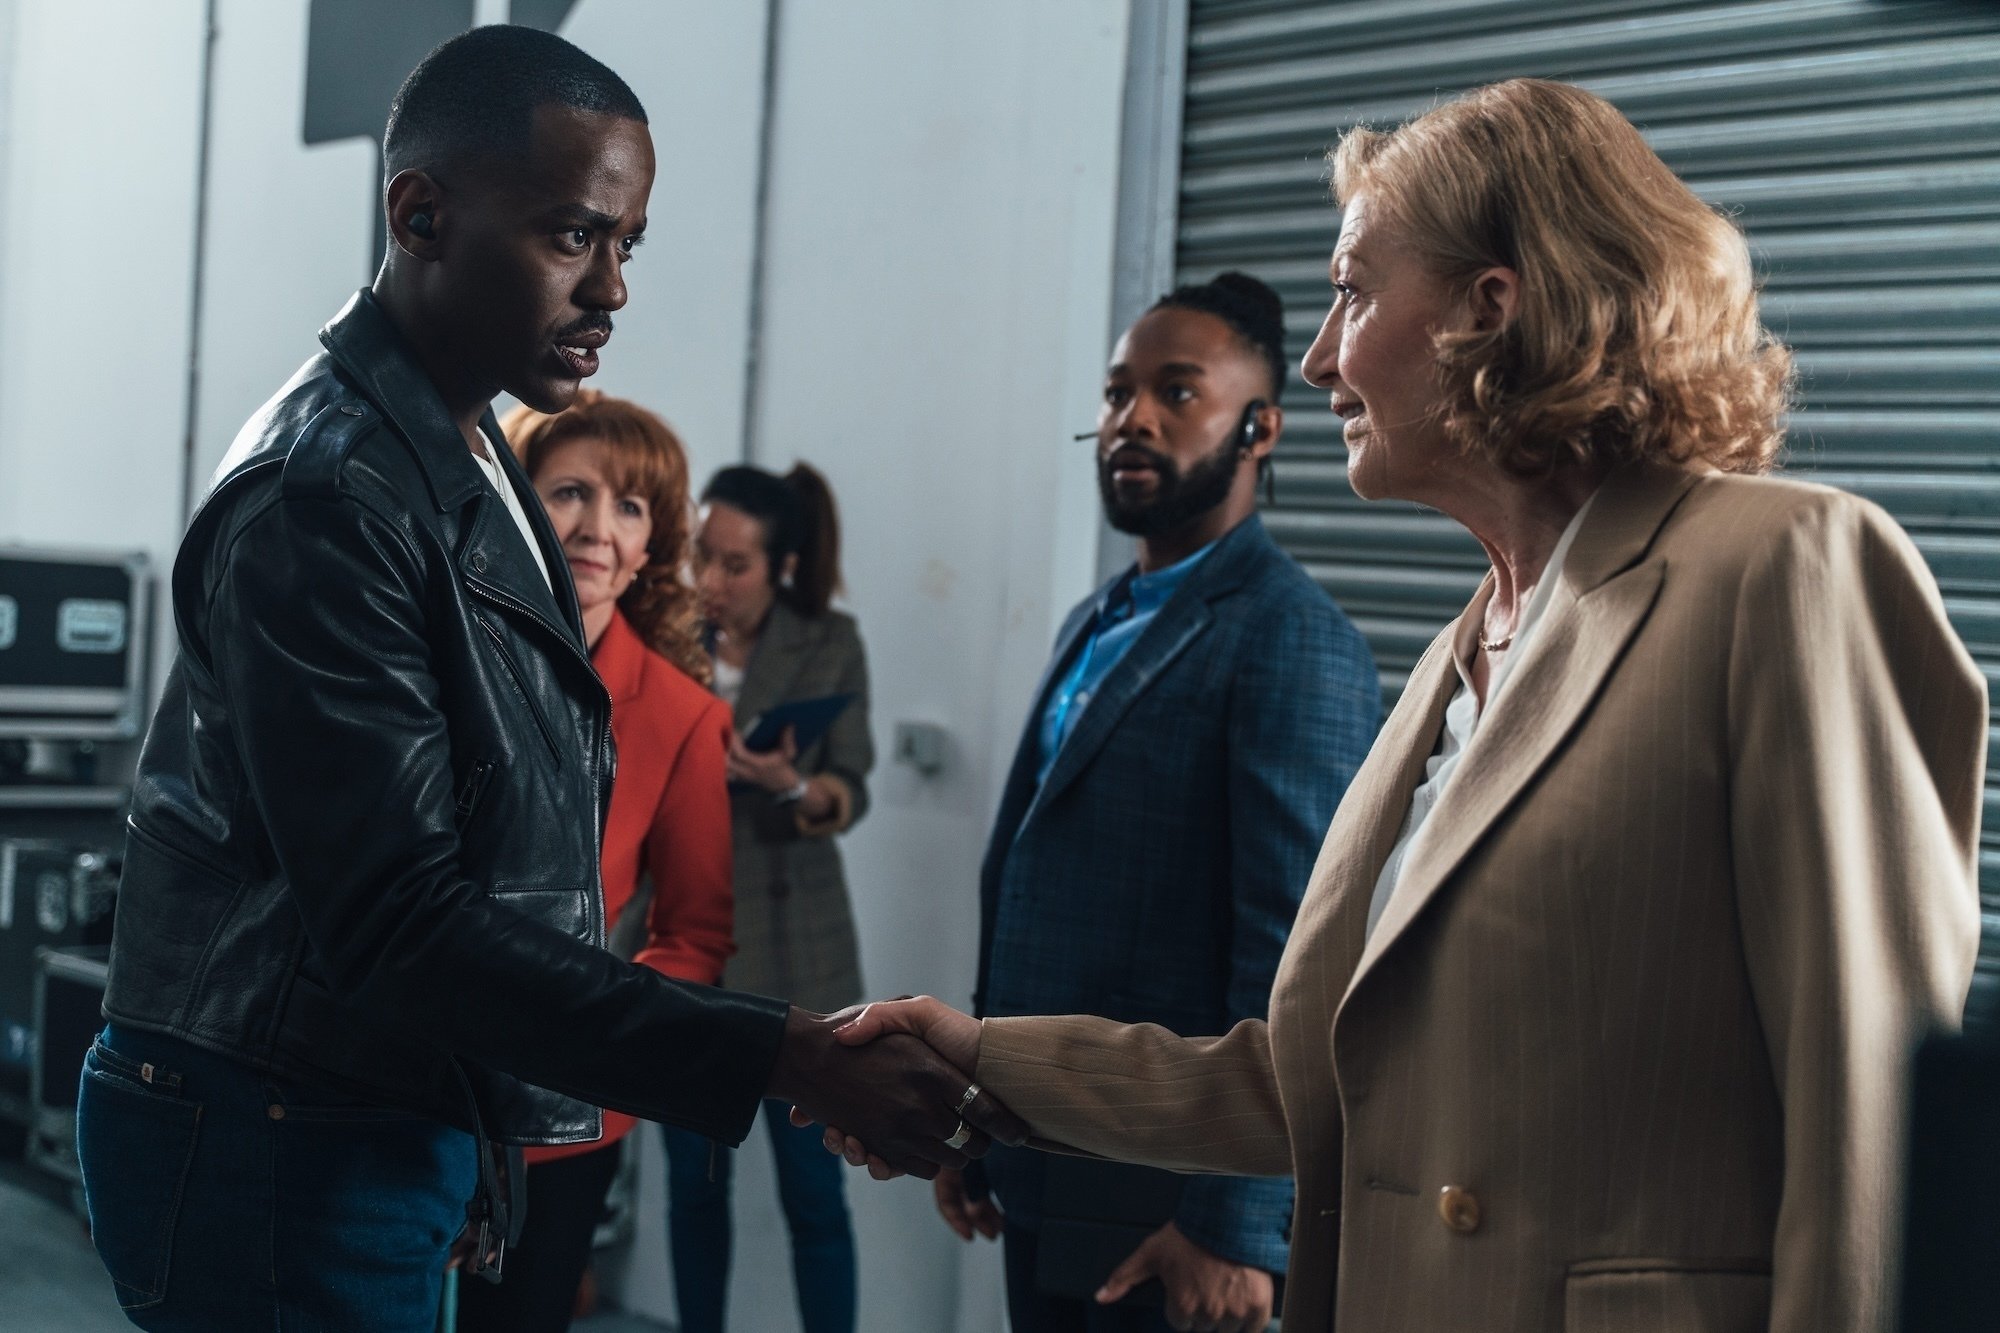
(620, 659)
(1177, 624)
(491, 556)
(774, 664)
(1334, 914)
(1019, 793)
(1604, 598)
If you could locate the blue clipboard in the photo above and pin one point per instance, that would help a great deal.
(808, 719)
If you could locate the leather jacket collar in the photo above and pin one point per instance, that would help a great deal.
(371, 353)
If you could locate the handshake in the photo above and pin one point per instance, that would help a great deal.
(891, 1082)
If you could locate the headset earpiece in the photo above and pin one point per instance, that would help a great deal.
(420, 225)
(1251, 430)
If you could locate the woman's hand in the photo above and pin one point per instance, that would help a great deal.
(953, 1035)
(770, 769)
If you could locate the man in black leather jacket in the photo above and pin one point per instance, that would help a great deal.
(360, 920)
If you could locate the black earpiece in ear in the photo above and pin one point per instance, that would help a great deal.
(1250, 432)
(420, 225)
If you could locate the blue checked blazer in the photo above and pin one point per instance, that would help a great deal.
(1153, 878)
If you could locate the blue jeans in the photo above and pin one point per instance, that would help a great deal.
(814, 1194)
(223, 1198)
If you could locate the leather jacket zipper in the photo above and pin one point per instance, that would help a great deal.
(501, 597)
(600, 782)
(599, 768)
(521, 685)
(475, 787)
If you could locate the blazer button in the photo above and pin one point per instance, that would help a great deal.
(478, 562)
(1459, 1208)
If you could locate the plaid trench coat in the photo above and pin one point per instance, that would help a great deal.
(794, 924)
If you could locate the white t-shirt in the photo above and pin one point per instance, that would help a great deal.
(497, 478)
(1461, 721)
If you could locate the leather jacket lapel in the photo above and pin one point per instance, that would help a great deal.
(495, 564)
(559, 586)
(491, 556)
(372, 355)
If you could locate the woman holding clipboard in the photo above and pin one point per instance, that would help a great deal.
(792, 668)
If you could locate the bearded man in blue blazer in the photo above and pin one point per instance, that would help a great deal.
(1190, 739)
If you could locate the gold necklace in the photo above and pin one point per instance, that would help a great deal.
(1487, 645)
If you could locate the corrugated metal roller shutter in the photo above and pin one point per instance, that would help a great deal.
(1859, 143)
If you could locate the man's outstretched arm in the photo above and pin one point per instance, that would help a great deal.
(319, 615)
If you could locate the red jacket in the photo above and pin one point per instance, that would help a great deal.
(669, 816)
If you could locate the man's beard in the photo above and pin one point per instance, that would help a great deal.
(1178, 498)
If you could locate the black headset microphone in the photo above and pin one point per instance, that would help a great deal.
(1247, 434)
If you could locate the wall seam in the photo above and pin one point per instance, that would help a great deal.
(753, 343)
(189, 442)
(1148, 207)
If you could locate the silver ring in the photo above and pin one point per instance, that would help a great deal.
(959, 1139)
(971, 1096)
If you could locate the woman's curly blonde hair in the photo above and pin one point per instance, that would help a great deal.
(644, 458)
(1637, 335)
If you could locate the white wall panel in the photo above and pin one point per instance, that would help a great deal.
(290, 226)
(937, 306)
(97, 203)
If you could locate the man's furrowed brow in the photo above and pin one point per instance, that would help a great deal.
(582, 215)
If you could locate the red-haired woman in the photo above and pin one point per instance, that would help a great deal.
(614, 480)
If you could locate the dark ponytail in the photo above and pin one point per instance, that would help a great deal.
(799, 519)
(817, 578)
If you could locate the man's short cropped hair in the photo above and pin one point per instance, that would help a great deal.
(473, 99)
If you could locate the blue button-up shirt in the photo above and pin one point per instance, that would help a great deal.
(1123, 613)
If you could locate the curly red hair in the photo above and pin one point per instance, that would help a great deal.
(645, 459)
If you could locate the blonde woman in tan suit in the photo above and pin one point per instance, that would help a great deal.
(1597, 1011)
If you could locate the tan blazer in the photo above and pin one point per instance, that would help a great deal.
(1627, 1048)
